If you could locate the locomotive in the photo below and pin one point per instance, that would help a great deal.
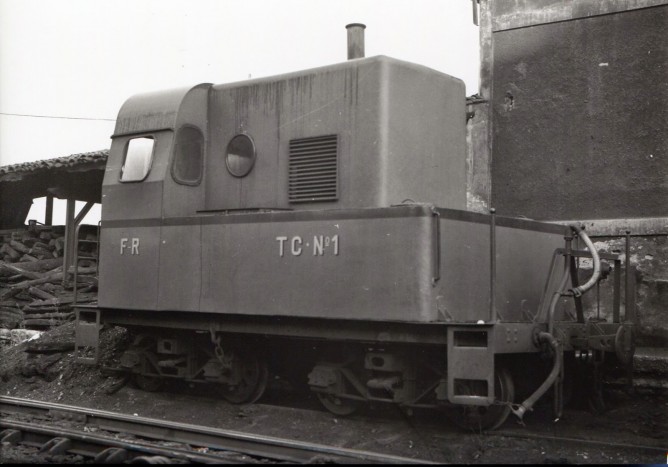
(315, 223)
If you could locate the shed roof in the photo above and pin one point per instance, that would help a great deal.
(75, 161)
(78, 177)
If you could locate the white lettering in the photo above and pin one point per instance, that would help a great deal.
(281, 241)
(135, 247)
(335, 241)
(321, 244)
(296, 250)
(318, 246)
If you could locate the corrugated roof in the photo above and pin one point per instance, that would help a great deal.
(58, 162)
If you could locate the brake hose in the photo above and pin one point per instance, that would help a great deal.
(578, 291)
(548, 337)
(549, 381)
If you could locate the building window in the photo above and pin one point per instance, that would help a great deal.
(188, 155)
(138, 156)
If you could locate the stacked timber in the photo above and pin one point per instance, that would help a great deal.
(34, 292)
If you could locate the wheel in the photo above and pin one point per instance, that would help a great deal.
(337, 405)
(149, 383)
(147, 345)
(625, 344)
(491, 417)
(254, 378)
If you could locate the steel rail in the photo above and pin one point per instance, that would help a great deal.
(510, 434)
(214, 438)
(91, 445)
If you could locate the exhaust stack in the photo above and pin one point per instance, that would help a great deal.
(355, 40)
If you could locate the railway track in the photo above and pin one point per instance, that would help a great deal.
(578, 441)
(109, 437)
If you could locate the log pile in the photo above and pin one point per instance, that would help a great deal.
(32, 292)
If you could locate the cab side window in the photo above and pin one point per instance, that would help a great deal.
(188, 156)
(138, 157)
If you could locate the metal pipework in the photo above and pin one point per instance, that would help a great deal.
(492, 265)
(555, 298)
(628, 303)
(355, 40)
(578, 291)
(547, 337)
(554, 374)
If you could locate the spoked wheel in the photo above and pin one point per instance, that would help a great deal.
(337, 405)
(254, 378)
(491, 417)
(149, 383)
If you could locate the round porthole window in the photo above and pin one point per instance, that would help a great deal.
(240, 155)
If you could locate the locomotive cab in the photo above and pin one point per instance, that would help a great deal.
(372, 132)
(154, 168)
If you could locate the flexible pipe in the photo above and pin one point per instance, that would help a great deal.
(554, 374)
(548, 337)
(578, 291)
(555, 298)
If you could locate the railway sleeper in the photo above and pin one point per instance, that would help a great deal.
(56, 446)
(112, 456)
(10, 436)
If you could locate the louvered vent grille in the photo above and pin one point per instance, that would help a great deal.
(313, 169)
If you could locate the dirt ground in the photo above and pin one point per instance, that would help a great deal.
(633, 419)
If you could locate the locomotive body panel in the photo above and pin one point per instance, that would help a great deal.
(180, 267)
(140, 199)
(360, 265)
(407, 264)
(523, 252)
(131, 258)
(397, 128)
(523, 266)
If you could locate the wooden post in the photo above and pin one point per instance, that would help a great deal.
(70, 228)
(48, 215)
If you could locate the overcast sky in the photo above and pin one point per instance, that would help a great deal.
(81, 59)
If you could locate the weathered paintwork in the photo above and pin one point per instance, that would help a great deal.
(523, 254)
(220, 246)
(581, 107)
(401, 130)
(408, 263)
(377, 265)
(513, 14)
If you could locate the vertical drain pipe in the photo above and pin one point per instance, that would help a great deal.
(628, 315)
(355, 40)
(492, 265)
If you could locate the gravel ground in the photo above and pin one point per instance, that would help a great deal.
(637, 419)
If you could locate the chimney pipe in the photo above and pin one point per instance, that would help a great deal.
(355, 40)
